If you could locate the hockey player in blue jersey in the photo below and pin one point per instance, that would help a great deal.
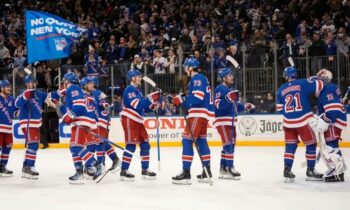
(200, 106)
(80, 112)
(226, 108)
(293, 100)
(330, 123)
(8, 109)
(30, 104)
(134, 107)
(102, 109)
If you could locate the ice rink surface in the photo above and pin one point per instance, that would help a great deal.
(261, 186)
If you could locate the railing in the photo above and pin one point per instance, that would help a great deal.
(260, 73)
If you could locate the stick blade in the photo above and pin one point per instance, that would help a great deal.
(27, 71)
(291, 62)
(149, 81)
(232, 61)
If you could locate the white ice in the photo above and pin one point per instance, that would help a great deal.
(261, 186)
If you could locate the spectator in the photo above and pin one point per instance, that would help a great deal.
(92, 66)
(289, 47)
(186, 40)
(330, 44)
(343, 42)
(268, 105)
(111, 50)
(137, 63)
(158, 62)
(171, 63)
(19, 60)
(4, 52)
(122, 50)
(103, 69)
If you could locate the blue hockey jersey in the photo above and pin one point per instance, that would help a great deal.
(31, 110)
(199, 100)
(82, 106)
(293, 100)
(134, 104)
(330, 103)
(102, 114)
(8, 109)
(224, 110)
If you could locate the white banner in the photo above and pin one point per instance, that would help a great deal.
(248, 127)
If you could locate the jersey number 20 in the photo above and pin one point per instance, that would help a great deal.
(288, 107)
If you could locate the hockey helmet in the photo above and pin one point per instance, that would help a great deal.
(84, 81)
(224, 72)
(71, 77)
(325, 75)
(191, 62)
(4, 83)
(291, 72)
(133, 73)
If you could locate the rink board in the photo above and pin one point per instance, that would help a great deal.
(252, 130)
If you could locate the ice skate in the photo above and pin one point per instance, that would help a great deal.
(184, 178)
(148, 175)
(126, 176)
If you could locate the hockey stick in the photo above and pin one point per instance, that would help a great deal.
(59, 114)
(233, 61)
(197, 148)
(290, 61)
(346, 95)
(154, 85)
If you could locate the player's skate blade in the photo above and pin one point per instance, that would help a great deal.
(288, 175)
(29, 173)
(77, 178)
(148, 175)
(202, 178)
(116, 166)
(90, 173)
(4, 172)
(313, 175)
(184, 178)
(233, 174)
(222, 172)
(126, 176)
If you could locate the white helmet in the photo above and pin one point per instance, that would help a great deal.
(325, 75)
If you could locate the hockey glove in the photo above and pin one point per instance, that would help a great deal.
(249, 106)
(29, 94)
(155, 96)
(68, 117)
(179, 99)
(232, 96)
(106, 106)
(322, 123)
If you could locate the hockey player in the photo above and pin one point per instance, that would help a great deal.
(331, 122)
(8, 109)
(103, 108)
(293, 101)
(226, 108)
(134, 107)
(199, 104)
(80, 112)
(30, 104)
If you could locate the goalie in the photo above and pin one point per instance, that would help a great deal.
(331, 122)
